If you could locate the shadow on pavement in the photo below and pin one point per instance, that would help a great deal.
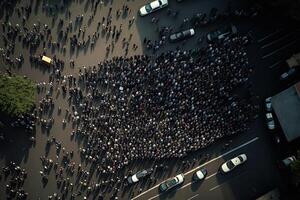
(15, 147)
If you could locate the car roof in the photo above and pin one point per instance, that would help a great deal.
(189, 31)
(236, 161)
(171, 182)
(141, 172)
(154, 4)
(200, 174)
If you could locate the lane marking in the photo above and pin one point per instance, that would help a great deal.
(193, 197)
(196, 168)
(269, 35)
(277, 50)
(211, 189)
(184, 186)
(277, 40)
(275, 64)
(154, 196)
(224, 154)
(211, 176)
(217, 186)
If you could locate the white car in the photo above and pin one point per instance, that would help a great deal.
(182, 35)
(233, 163)
(268, 104)
(270, 121)
(200, 174)
(289, 160)
(171, 183)
(153, 6)
(137, 176)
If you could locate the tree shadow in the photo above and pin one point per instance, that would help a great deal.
(15, 145)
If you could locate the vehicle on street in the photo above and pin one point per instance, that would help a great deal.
(233, 163)
(286, 75)
(221, 33)
(153, 6)
(270, 121)
(200, 174)
(138, 176)
(288, 161)
(182, 35)
(171, 183)
(268, 104)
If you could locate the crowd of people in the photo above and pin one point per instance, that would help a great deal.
(144, 107)
(128, 108)
(16, 177)
(135, 108)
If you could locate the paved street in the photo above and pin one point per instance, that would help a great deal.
(252, 179)
(274, 40)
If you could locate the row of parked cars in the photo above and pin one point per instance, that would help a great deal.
(197, 176)
(181, 35)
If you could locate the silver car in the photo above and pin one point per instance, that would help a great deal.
(138, 176)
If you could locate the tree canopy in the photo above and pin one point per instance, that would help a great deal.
(17, 95)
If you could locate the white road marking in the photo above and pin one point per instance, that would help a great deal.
(224, 154)
(277, 50)
(200, 166)
(269, 35)
(184, 186)
(193, 197)
(275, 64)
(211, 176)
(154, 196)
(211, 189)
(217, 186)
(277, 40)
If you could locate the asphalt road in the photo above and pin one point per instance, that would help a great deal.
(274, 41)
(248, 181)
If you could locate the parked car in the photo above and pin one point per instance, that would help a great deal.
(200, 174)
(233, 163)
(171, 183)
(288, 161)
(182, 35)
(270, 121)
(138, 176)
(286, 75)
(153, 6)
(268, 104)
(221, 33)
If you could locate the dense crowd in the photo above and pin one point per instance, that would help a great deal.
(133, 108)
(140, 107)
(127, 108)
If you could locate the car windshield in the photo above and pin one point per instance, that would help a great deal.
(171, 182)
(230, 164)
(140, 174)
(178, 35)
(148, 8)
(163, 186)
(241, 158)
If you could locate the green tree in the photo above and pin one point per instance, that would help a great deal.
(17, 95)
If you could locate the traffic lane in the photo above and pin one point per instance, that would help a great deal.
(254, 177)
(244, 172)
(212, 166)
